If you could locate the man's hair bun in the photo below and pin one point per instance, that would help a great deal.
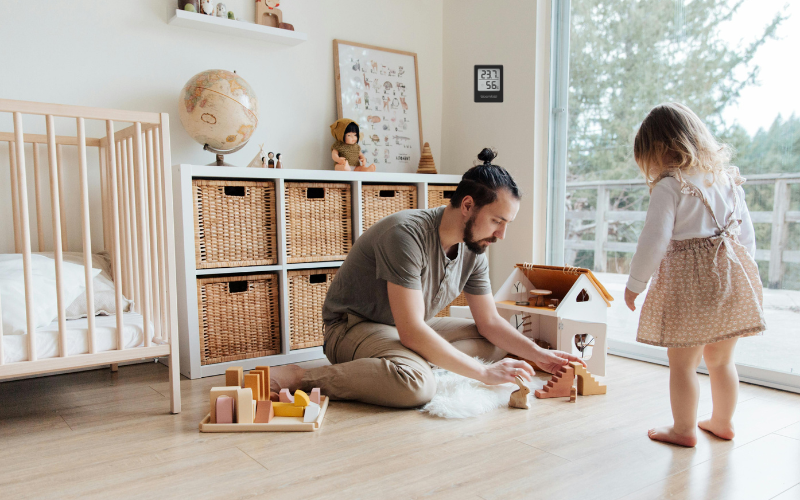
(487, 155)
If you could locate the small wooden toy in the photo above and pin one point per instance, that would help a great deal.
(260, 159)
(314, 395)
(558, 386)
(573, 394)
(287, 410)
(234, 377)
(580, 307)
(286, 396)
(253, 381)
(311, 413)
(267, 378)
(519, 398)
(267, 14)
(301, 399)
(264, 412)
(538, 297)
(587, 384)
(225, 407)
(426, 163)
(243, 403)
(207, 7)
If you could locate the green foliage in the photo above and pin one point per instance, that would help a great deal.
(628, 56)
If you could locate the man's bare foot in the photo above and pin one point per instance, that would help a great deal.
(668, 435)
(722, 431)
(285, 377)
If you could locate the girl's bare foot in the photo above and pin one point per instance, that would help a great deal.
(285, 377)
(668, 435)
(722, 431)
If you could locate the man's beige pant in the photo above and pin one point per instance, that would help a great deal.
(369, 363)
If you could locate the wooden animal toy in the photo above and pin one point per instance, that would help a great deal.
(558, 386)
(587, 384)
(519, 398)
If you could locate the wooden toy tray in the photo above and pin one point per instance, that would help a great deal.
(278, 424)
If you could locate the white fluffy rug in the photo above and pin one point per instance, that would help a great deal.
(462, 397)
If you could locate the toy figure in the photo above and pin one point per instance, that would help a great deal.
(221, 10)
(207, 7)
(260, 160)
(270, 160)
(346, 151)
(278, 160)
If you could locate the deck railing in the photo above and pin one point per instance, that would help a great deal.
(779, 217)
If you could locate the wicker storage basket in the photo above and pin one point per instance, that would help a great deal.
(307, 291)
(440, 195)
(461, 300)
(234, 223)
(239, 317)
(318, 225)
(379, 201)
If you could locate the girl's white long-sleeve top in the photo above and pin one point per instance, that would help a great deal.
(673, 215)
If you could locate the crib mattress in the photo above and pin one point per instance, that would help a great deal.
(15, 347)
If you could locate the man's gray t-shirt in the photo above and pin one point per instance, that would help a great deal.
(403, 248)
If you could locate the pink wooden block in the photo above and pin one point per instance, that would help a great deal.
(286, 396)
(225, 410)
(314, 395)
(264, 412)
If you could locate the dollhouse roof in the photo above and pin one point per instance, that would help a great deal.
(560, 280)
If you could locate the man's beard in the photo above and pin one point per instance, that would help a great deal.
(472, 244)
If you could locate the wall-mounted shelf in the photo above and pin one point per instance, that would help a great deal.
(236, 28)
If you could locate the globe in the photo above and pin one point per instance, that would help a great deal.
(219, 110)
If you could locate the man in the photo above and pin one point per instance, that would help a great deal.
(380, 332)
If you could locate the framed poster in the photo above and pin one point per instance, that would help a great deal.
(379, 89)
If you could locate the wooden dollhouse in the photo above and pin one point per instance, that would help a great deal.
(571, 314)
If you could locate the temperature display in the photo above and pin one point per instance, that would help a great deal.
(489, 83)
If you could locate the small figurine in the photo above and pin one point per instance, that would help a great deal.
(346, 151)
(206, 7)
(278, 160)
(231, 16)
(189, 5)
(267, 14)
(260, 160)
(221, 10)
(270, 160)
(519, 398)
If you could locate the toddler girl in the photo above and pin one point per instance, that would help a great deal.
(698, 244)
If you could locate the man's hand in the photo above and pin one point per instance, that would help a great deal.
(630, 297)
(506, 370)
(552, 361)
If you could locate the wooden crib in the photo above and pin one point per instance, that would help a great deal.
(136, 220)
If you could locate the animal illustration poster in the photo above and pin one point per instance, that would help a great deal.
(378, 88)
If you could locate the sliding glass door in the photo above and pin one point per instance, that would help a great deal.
(612, 61)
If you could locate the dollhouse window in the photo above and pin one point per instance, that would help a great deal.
(582, 296)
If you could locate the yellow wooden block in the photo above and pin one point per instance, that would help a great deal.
(301, 399)
(266, 382)
(264, 395)
(287, 410)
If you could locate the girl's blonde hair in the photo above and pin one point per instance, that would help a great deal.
(672, 139)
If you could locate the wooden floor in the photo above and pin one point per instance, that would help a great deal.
(99, 434)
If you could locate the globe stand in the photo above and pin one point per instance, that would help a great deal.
(221, 155)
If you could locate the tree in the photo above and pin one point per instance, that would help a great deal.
(626, 56)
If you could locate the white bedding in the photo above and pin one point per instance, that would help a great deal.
(15, 347)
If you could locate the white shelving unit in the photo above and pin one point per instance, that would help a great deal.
(215, 24)
(188, 321)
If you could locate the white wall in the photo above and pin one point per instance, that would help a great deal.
(123, 54)
(478, 32)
